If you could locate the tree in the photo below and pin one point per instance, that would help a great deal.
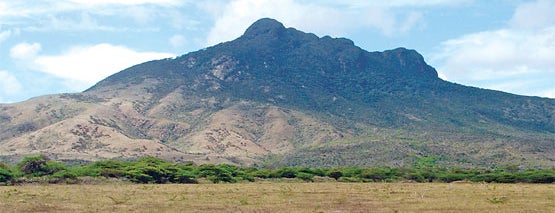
(39, 166)
(5, 176)
(335, 174)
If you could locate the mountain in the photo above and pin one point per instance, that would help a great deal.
(279, 96)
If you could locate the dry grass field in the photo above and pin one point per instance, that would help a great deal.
(280, 197)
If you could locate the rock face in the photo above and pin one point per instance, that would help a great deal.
(279, 96)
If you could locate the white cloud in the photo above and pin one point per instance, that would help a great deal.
(547, 93)
(128, 2)
(4, 35)
(52, 15)
(333, 18)
(403, 3)
(518, 59)
(534, 15)
(177, 41)
(82, 22)
(90, 64)
(238, 14)
(82, 66)
(9, 85)
(25, 51)
(411, 20)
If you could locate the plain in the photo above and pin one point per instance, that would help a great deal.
(280, 197)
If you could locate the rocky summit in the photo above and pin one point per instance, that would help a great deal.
(279, 96)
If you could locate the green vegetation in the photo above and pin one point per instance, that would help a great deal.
(154, 170)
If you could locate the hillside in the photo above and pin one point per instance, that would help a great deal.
(279, 96)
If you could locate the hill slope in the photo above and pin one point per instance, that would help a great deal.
(280, 96)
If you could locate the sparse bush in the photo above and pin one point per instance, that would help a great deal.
(262, 173)
(242, 175)
(142, 173)
(64, 176)
(153, 170)
(335, 174)
(415, 176)
(4, 166)
(379, 174)
(215, 173)
(52, 167)
(351, 171)
(284, 172)
(185, 176)
(305, 176)
(39, 166)
(6, 176)
(32, 165)
(111, 173)
(543, 176)
(139, 176)
(108, 164)
(349, 179)
(84, 171)
(450, 177)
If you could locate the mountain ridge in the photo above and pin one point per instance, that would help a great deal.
(279, 96)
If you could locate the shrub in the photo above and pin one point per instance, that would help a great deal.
(185, 176)
(351, 171)
(150, 170)
(39, 166)
(305, 176)
(4, 166)
(65, 175)
(84, 171)
(52, 167)
(111, 173)
(427, 175)
(415, 176)
(450, 177)
(284, 172)
(215, 173)
(320, 172)
(139, 176)
(5, 176)
(142, 173)
(335, 174)
(349, 179)
(262, 173)
(242, 175)
(32, 165)
(505, 177)
(108, 164)
(376, 174)
(545, 176)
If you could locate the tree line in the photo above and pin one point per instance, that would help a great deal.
(154, 170)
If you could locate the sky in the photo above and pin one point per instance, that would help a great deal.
(66, 46)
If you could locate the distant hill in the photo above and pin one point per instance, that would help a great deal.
(279, 96)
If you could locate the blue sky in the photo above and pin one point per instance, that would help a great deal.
(59, 46)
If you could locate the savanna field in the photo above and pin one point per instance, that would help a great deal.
(280, 197)
(37, 184)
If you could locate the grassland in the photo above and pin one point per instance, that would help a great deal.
(280, 197)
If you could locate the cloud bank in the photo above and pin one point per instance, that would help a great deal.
(330, 18)
(517, 59)
(9, 85)
(82, 66)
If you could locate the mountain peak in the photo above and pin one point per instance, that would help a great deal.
(264, 26)
(280, 96)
